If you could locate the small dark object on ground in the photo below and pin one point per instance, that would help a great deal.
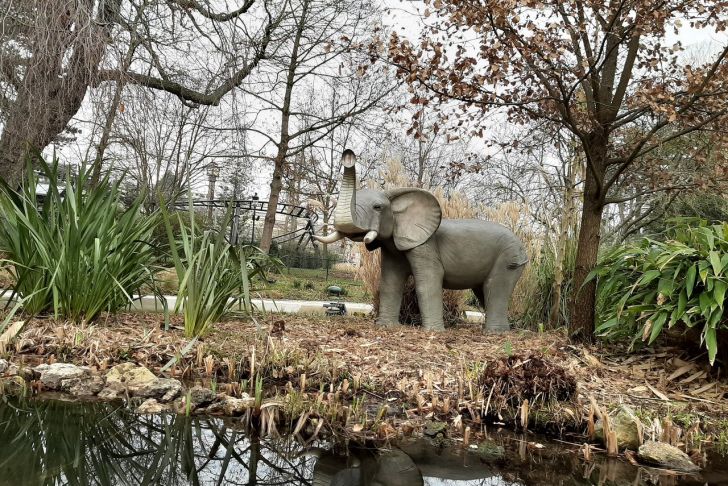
(278, 328)
(335, 309)
(516, 378)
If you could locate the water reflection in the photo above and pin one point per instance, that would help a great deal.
(60, 443)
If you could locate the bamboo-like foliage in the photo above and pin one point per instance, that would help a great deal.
(646, 286)
(76, 252)
(214, 276)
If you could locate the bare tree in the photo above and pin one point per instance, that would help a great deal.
(320, 53)
(165, 148)
(54, 51)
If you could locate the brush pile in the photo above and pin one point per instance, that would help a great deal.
(513, 379)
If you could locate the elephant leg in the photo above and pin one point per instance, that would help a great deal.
(428, 273)
(395, 271)
(497, 291)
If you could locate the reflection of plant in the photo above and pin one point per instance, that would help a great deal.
(49, 443)
(76, 253)
(649, 285)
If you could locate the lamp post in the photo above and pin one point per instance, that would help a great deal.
(212, 172)
(255, 199)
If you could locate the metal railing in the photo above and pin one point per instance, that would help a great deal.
(254, 206)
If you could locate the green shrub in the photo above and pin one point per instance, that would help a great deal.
(76, 252)
(646, 286)
(214, 277)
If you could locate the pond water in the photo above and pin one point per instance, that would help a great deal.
(59, 443)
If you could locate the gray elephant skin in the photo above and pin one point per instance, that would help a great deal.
(406, 465)
(406, 223)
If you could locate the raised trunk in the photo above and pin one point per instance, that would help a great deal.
(583, 304)
(346, 205)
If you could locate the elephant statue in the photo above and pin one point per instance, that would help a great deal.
(406, 223)
(365, 468)
(407, 464)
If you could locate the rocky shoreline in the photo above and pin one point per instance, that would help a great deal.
(135, 384)
(351, 380)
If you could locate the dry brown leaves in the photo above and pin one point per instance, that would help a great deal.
(405, 367)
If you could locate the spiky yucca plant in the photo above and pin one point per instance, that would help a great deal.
(214, 276)
(74, 251)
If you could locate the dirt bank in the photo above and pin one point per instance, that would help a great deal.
(372, 382)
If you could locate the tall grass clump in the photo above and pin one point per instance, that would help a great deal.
(678, 282)
(74, 251)
(214, 276)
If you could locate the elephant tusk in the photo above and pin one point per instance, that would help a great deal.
(369, 237)
(328, 239)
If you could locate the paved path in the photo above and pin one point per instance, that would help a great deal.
(150, 303)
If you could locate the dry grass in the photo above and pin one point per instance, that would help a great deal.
(348, 370)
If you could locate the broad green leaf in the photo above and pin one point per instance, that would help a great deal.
(719, 292)
(682, 302)
(657, 326)
(711, 343)
(648, 277)
(714, 258)
(690, 280)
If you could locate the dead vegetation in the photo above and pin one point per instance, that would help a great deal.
(368, 381)
(514, 379)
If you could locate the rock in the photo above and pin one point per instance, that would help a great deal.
(236, 406)
(491, 451)
(231, 406)
(664, 455)
(433, 428)
(138, 381)
(4, 365)
(54, 376)
(199, 397)
(151, 406)
(110, 393)
(129, 375)
(84, 386)
(625, 424)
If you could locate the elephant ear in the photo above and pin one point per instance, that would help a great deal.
(417, 215)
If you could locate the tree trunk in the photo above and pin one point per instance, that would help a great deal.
(276, 184)
(567, 219)
(583, 304)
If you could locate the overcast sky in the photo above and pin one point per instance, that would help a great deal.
(406, 18)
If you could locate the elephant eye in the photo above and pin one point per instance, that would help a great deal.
(378, 207)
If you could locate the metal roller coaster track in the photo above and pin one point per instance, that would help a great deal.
(242, 206)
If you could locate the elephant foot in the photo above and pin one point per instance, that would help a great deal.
(496, 327)
(438, 326)
(385, 322)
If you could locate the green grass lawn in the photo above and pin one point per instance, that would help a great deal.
(291, 283)
(311, 284)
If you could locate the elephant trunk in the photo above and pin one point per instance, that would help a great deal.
(328, 239)
(346, 206)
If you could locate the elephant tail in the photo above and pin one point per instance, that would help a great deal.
(514, 265)
(519, 260)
